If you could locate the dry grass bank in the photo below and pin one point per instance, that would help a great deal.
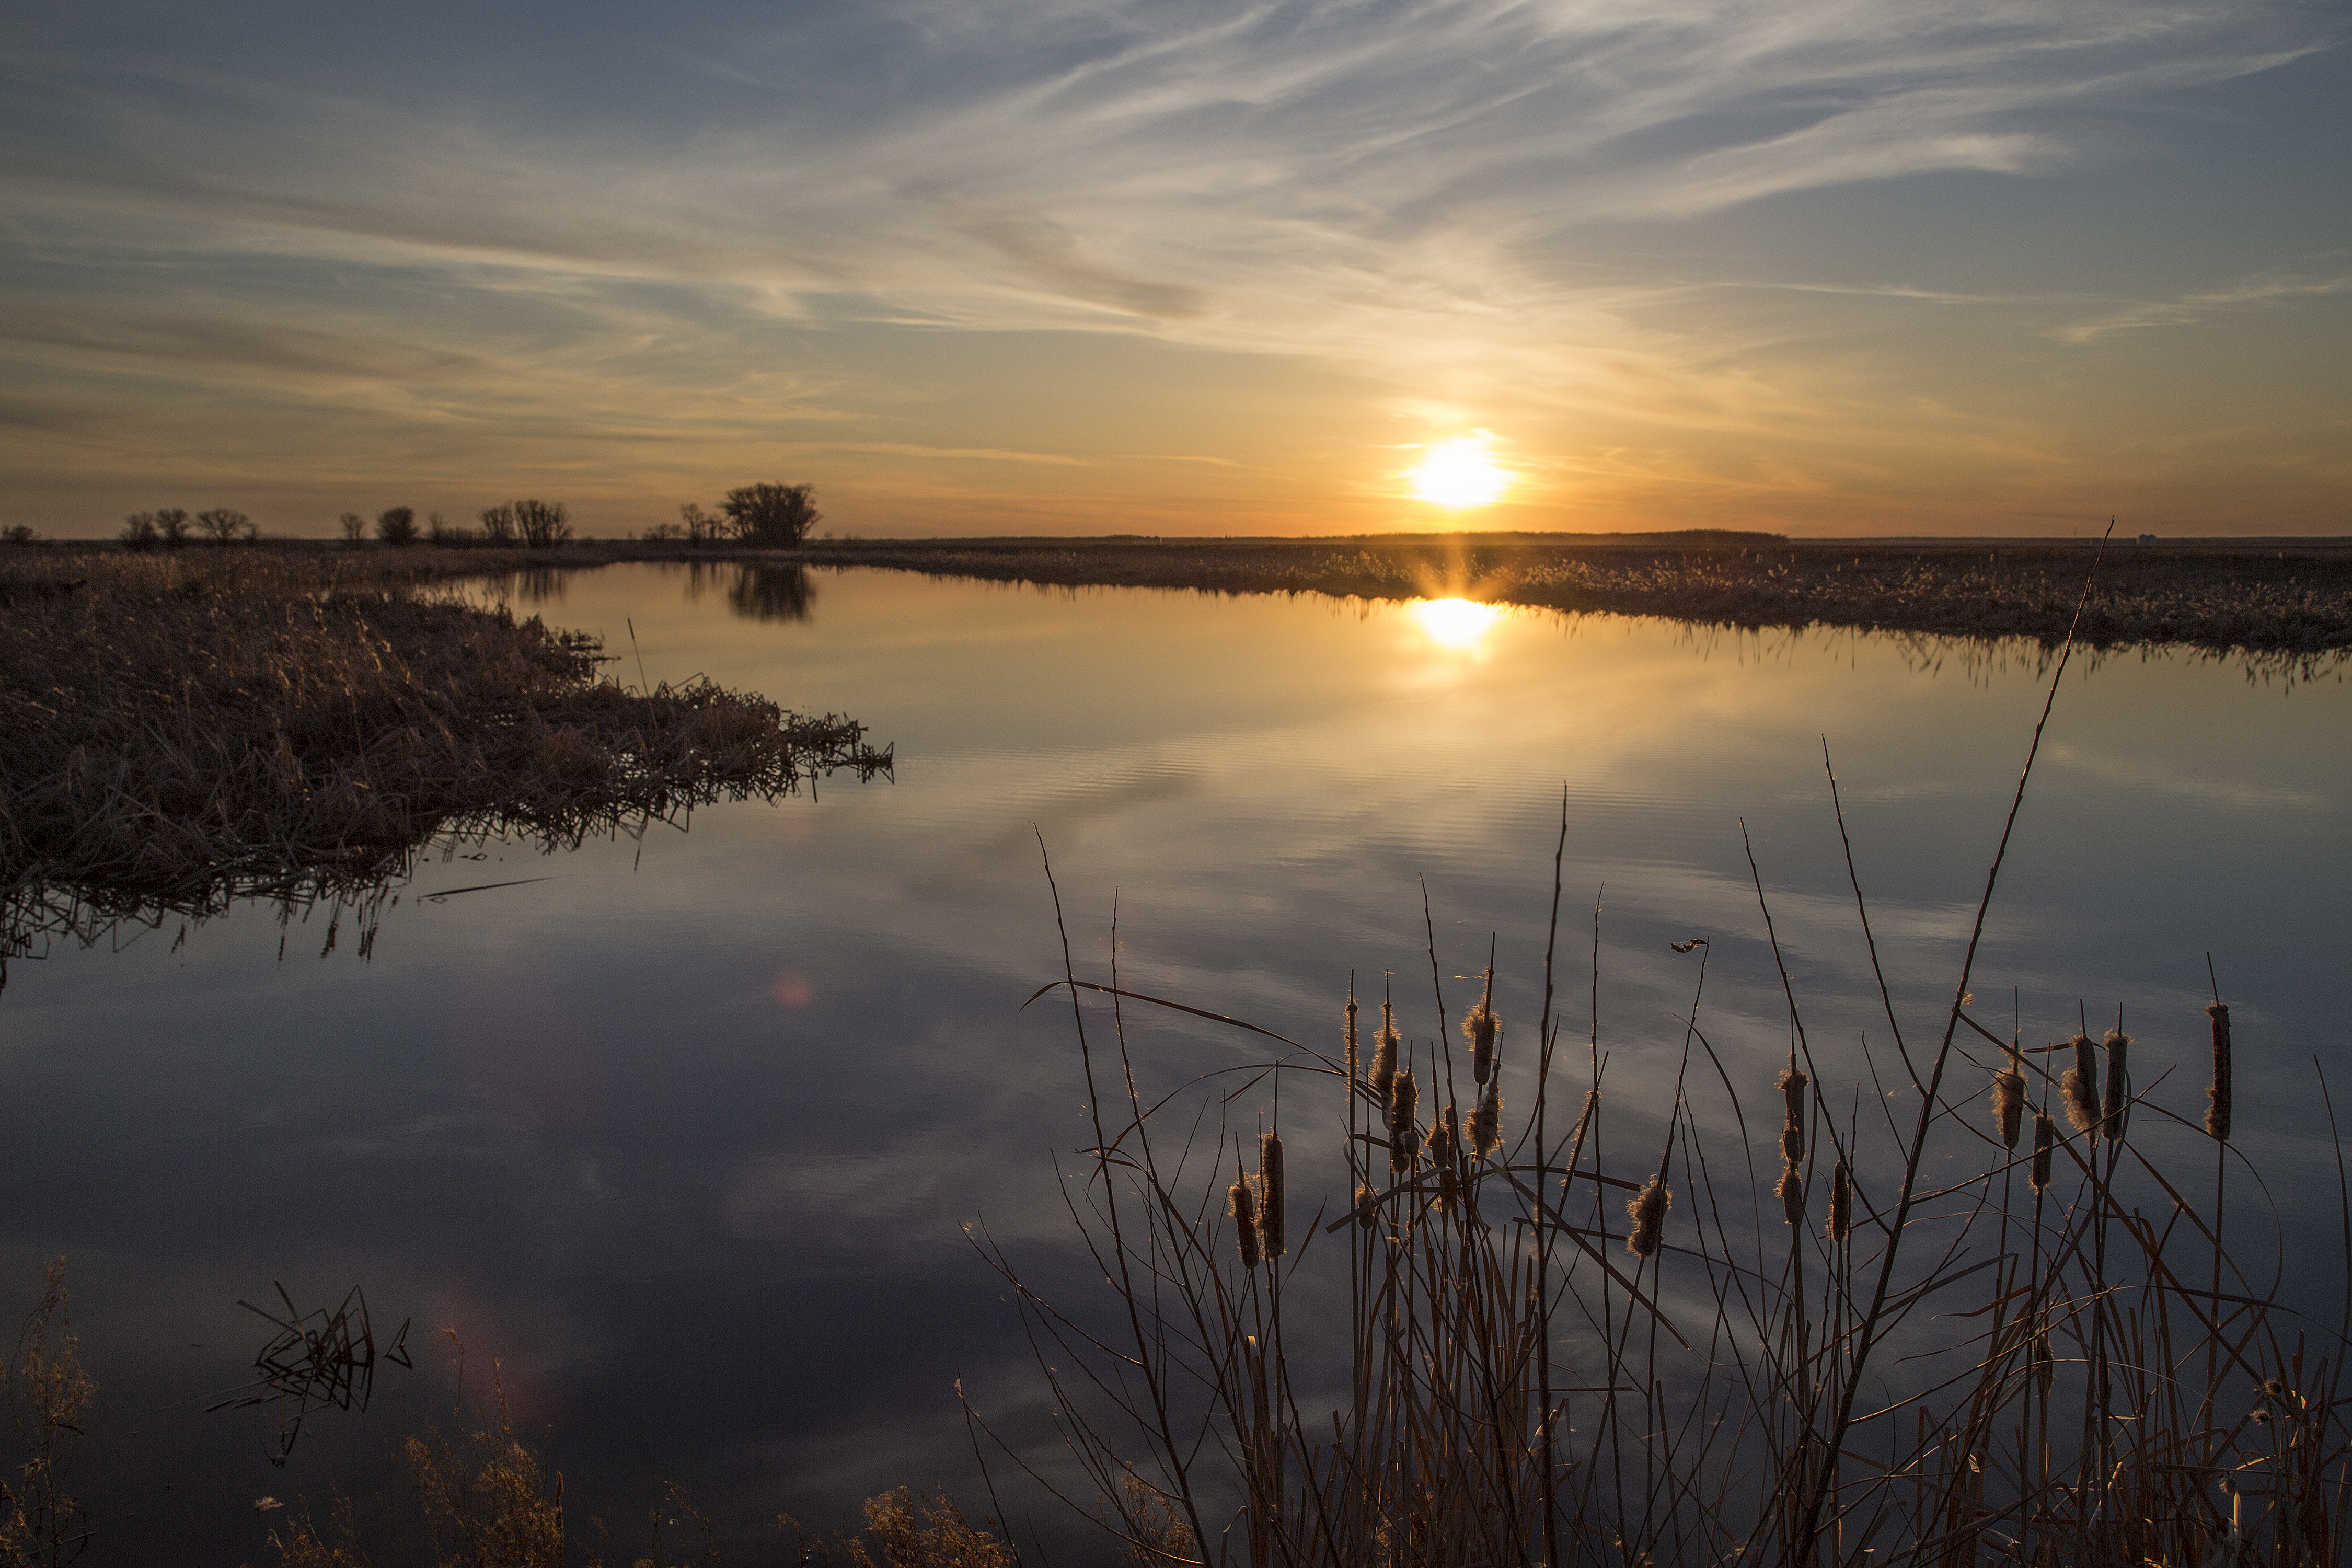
(2291, 598)
(191, 727)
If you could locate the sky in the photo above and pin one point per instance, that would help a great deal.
(973, 267)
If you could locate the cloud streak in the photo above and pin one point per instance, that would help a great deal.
(1462, 203)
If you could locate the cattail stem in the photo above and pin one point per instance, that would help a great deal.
(2118, 1083)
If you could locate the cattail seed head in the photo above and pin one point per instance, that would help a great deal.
(1486, 1120)
(2217, 1113)
(1647, 1209)
(1841, 1203)
(1444, 1139)
(1445, 1154)
(1403, 1096)
(1384, 1054)
(2008, 1100)
(1480, 1029)
(1243, 1204)
(1791, 1190)
(1367, 1206)
(1269, 1187)
(2045, 1138)
(1792, 1121)
(2080, 1086)
(2118, 1082)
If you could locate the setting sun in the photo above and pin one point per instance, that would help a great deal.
(1458, 473)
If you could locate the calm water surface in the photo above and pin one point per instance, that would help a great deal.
(684, 1136)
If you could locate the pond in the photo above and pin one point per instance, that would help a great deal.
(681, 1132)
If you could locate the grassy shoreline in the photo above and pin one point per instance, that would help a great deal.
(202, 726)
(2289, 597)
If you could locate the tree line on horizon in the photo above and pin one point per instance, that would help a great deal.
(767, 514)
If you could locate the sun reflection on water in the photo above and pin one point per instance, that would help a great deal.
(1455, 623)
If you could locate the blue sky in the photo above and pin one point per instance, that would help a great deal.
(1026, 266)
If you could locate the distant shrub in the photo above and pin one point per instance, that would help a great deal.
(396, 525)
(448, 535)
(699, 526)
(19, 533)
(354, 528)
(774, 515)
(663, 533)
(140, 532)
(225, 525)
(542, 524)
(173, 525)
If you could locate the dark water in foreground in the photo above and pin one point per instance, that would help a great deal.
(683, 1136)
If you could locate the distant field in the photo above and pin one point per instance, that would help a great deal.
(2285, 596)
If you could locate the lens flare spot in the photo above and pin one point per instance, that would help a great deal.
(1455, 623)
(1459, 473)
(791, 989)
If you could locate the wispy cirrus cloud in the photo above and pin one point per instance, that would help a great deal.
(2204, 305)
(1463, 204)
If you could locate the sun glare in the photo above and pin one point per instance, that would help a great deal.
(1455, 623)
(1458, 473)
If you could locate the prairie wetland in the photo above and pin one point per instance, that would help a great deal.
(679, 1119)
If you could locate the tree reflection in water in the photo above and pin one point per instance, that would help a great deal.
(764, 592)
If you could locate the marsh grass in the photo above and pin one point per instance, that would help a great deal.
(193, 729)
(47, 1394)
(1586, 1344)
(2284, 599)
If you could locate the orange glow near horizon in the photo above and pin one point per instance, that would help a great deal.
(1458, 474)
(1458, 623)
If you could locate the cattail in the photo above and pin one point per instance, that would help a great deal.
(2216, 1114)
(1647, 1209)
(2045, 1138)
(1792, 1123)
(2080, 1086)
(2119, 1088)
(1486, 1120)
(1445, 1151)
(1404, 1094)
(1792, 1189)
(2009, 1099)
(1480, 1027)
(1243, 1204)
(1384, 1050)
(1841, 1203)
(1367, 1206)
(1352, 1036)
(1269, 1187)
